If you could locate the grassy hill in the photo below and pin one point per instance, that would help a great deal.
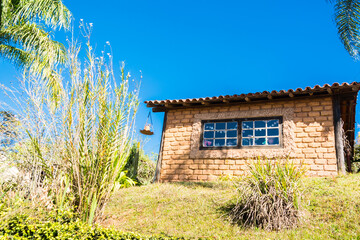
(332, 210)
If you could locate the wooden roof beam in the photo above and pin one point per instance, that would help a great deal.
(186, 104)
(169, 105)
(150, 105)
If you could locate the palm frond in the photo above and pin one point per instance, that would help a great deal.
(52, 12)
(24, 41)
(39, 54)
(15, 55)
(347, 19)
(33, 38)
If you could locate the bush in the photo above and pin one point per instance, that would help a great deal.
(270, 196)
(63, 225)
(140, 166)
(146, 169)
(356, 161)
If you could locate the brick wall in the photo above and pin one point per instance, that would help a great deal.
(308, 131)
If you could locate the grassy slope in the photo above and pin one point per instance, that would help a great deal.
(197, 209)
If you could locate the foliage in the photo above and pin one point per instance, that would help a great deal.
(270, 197)
(141, 166)
(63, 225)
(123, 181)
(8, 128)
(132, 162)
(347, 19)
(74, 154)
(356, 157)
(25, 42)
(356, 161)
(146, 169)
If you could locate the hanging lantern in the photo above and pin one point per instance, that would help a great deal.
(148, 126)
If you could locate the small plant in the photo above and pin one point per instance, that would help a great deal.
(270, 197)
(123, 181)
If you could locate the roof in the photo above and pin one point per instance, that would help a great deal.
(327, 89)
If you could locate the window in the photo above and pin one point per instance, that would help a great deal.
(260, 132)
(220, 134)
(239, 133)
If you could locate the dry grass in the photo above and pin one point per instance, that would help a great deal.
(198, 210)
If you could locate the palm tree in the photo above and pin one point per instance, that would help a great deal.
(24, 40)
(347, 19)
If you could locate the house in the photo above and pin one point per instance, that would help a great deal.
(204, 138)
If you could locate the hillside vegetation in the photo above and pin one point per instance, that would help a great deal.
(332, 210)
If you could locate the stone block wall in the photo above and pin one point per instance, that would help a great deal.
(308, 135)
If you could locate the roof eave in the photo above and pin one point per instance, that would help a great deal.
(308, 92)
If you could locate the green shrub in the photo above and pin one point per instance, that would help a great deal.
(356, 161)
(63, 225)
(146, 169)
(140, 166)
(270, 197)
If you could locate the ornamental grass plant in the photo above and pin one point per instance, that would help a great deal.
(72, 152)
(270, 197)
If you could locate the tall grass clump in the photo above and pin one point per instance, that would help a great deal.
(74, 150)
(270, 197)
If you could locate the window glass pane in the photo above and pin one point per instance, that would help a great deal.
(209, 134)
(246, 125)
(247, 141)
(260, 132)
(231, 142)
(231, 134)
(208, 143)
(273, 141)
(219, 134)
(260, 124)
(209, 126)
(273, 123)
(273, 132)
(220, 126)
(260, 141)
(232, 125)
(247, 133)
(219, 142)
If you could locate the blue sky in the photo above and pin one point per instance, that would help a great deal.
(203, 48)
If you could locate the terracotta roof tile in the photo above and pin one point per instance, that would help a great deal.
(316, 90)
